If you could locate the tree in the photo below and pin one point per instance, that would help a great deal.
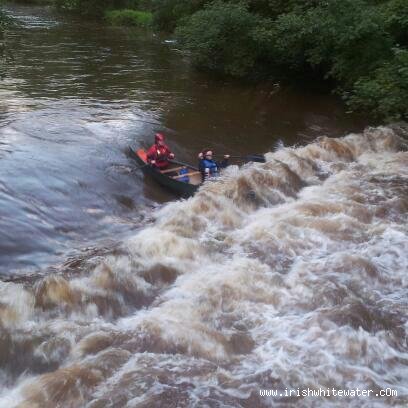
(222, 37)
(167, 14)
(384, 94)
(345, 37)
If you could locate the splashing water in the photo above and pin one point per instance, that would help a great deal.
(282, 275)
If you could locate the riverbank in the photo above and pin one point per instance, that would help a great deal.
(118, 13)
(358, 49)
(100, 10)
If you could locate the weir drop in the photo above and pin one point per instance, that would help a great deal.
(284, 274)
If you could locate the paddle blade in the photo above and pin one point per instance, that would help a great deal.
(259, 158)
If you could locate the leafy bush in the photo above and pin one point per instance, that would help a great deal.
(4, 22)
(222, 37)
(3, 18)
(127, 17)
(36, 2)
(2, 25)
(345, 37)
(395, 16)
(274, 8)
(384, 93)
(168, 13)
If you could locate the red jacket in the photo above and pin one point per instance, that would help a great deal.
(160, 154)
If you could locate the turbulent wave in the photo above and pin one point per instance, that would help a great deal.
(283, 275)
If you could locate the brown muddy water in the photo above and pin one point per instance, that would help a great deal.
(290, 274)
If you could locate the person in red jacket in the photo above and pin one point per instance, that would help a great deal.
(159, 154)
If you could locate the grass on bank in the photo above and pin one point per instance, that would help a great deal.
(130, 18)
(34, 2)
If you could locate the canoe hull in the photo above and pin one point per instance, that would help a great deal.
(178, 187)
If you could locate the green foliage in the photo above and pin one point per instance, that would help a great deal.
(168, 13)
(384, 93)
(4, 22)
(90, 8)
(2, 25)
(344, 36)
(3, 18)
(222, 37)
(274, 8)
(34, 2)
(395, 18)
(127, 17)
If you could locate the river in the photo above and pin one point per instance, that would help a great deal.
(286, 275)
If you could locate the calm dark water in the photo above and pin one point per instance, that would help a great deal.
(75, 94)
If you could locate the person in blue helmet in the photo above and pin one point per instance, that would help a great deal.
(208, 167)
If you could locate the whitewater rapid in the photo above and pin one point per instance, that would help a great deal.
(281, 275)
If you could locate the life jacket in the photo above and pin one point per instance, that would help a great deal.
(160, 154)
(208, 168)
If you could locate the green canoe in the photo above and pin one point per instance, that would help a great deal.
(170, 178)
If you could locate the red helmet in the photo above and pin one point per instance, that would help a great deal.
(159, 137)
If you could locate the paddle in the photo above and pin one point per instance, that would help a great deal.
(260, 158)
(168, 170)
(182, 164)
(250, 158)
